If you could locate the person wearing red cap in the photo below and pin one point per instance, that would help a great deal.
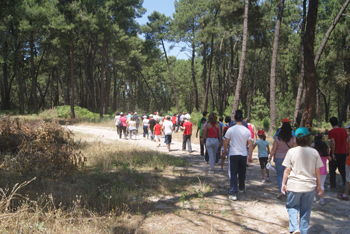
(285, 120)
(263, 154)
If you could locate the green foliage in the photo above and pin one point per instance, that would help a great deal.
(259, 109)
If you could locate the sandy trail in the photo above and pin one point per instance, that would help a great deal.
(256, 211)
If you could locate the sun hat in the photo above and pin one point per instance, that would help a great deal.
(121, 113)
(300, 132)
(285, 120)
(145, 117)
(348, 126)
(151, 115)
(261, 132)
(135, 113)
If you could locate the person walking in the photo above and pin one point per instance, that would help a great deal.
(187, 127)
(283, 142)
(302, 165)
(132, 127)
(168, 131)
(157, 132)
(200, 124)
(178, 121)
(212, 138)
(145, 123)
(116, 121)
(238, 137)
(339, 149)
(173, 120)
(123, 126)
(137, 120)
(151, 124)
(263, 154)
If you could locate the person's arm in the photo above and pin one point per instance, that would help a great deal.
(254, 146)
(226, 145)
(273, 151)
(319, 185)
(220, 135)
(250, 159)
(285, 177)
(332, 148)
(198, 128)
(268, 149)
(204, 134)
(347, 145)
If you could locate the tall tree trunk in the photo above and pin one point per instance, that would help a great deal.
(252, 85)
(310, 69)
(102, 97)
(5, 91)
(196, 104)
(18, 77)
(212, 91)
(108, 81)
(171, 78)
(205, 76)
(32, 73)
(302, 66)
(242, 63)
(273, 68)
(72, 114)
(329, 31)
(347, 98)
(64, 93)
(114, 102)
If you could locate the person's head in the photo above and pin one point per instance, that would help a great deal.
(121, 114)
(221, 119)
(318, 137)
(175, 115)
(212, 118)
(247, 120)
(185, 119)
(145, 116)
(144, 112)
(168, 118)
(333, 121)
(348, 127)
(238, 116)
(285, 120)
(117, 113)
(203, 120)
(135, 113)
(261, 135)
(286, 132)
(205, 113)
(227, 119)
(302, 136)
(157, 121)
(132, 118)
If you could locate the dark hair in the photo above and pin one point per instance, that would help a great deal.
(205, 113)
(221, 119)
(132, 118)
(239, 111)
(333, 121)
(212, 118)
(203, 119)
(286, 132)
(318, 137)
(168, 118)
(320, 145)
(227, 119)
(117, 113)
(303, 141)
(238, 117)
(247, 120)
(263, 136)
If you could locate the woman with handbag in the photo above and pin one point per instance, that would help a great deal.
(212, 138)
(283, 142)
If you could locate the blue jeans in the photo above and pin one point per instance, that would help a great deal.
(145, 131)
(299, 202)
(237, 166)
(279, 171)
(212, 145)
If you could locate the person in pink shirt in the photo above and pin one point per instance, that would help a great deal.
(122, 119)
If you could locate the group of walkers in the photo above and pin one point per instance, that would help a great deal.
(300, 166)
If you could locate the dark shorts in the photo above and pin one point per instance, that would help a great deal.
(168, 139)
(263, 162)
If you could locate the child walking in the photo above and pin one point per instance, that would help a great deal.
(322, 149)
(263, 154)
(157, 132)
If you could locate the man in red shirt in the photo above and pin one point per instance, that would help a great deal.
(339, 150)
(173, 120)
(187, 127)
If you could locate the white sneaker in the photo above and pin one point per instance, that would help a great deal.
(211, 172)
(263, 181)
(233, 197)
(267, 178)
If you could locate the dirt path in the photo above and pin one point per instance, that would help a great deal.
(256, 211)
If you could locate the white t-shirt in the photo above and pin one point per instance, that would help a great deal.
(239, 136)
(167, 127)
(116, 119)
(303, 161)
(145, 122)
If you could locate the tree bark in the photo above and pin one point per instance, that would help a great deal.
(273, 68)
(252, 85)
(154, 97)
(242, 63)
(328, 33)
(310, 69)
(32, 73)
(102, 97)
(18, 78)
(302, 66)
(171, 77)
(206, 95)
(196, 104)
(72, 114)
(108, 81)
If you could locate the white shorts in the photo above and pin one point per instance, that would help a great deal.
(347, 169)
(157, 137)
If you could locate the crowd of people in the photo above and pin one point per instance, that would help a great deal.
(299, 163)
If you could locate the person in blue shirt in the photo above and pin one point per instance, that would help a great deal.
(263, 154)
